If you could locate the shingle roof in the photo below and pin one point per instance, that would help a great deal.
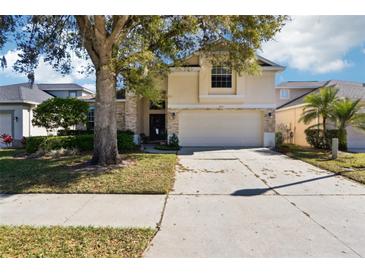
(63, 86)
(23, 93)
(346, 89)
(301, 84)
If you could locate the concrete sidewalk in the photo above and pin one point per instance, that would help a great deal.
(114, 210)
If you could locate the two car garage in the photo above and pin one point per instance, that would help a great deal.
(221, 128)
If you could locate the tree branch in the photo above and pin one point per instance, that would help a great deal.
(118, 26)
(85, 29)
(100, 31)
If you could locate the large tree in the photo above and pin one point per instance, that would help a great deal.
(134, 50)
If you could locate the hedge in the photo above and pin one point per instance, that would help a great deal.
(315, 138)
(80, 142)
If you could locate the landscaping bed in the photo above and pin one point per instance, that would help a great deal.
(73, 242)
(138, 173)
(351, 165)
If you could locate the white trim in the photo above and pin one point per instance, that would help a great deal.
(184, 69)
(221, 96)
(298, 87)
(269, 139)
(273, 68)
(20, 102)
(291, 107)
(93, 100)
(221, 106)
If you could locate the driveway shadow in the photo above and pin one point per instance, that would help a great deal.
(261, 191)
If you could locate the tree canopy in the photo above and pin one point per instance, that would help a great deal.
(60, 112)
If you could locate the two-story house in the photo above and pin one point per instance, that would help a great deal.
(18, 101)
(207, 105)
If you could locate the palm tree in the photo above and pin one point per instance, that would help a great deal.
(347, 112)
(319, 105)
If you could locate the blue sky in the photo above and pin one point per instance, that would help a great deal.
(355, 71)
(311, 48)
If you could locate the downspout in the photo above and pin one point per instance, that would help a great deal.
(29, 121)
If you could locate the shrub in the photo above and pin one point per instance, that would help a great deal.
(80, 142)
(173, 141)
(316, 139)
(125, 140)
(60, 112)
(279, 139)
(32, 144)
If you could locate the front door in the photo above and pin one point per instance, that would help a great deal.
(157, 127)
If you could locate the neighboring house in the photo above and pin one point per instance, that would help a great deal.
(18, 101)
(288, 114)
(288, 91)
(65, 90)
(206, 106)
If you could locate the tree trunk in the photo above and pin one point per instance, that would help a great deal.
(105, 123)
(342, 138)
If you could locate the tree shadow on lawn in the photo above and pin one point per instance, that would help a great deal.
(21, 175)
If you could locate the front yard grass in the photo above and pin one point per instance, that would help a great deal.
(143, 173)
(73, 242)
(351, 165)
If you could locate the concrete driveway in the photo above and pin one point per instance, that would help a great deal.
(257, 203)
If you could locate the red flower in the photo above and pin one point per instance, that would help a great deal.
(7, 139)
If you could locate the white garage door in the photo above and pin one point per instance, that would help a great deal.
(5, 123)
(220, 128)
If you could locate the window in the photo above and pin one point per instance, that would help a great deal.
(90, 118)
(221, 77)
(284, 94)
(72, 94)
(120, 93)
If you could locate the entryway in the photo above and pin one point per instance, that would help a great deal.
(157, 127)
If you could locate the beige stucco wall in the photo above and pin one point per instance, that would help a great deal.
(194, 87)
(258, 89)
(183, 88)
(290, 117)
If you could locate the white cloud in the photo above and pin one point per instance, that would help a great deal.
(44, 72)
(317, 44)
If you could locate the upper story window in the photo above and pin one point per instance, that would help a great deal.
(284, 94)
(221, 77)
(72, 94)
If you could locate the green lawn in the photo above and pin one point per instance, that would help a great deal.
(72, 242)
(144, 173)
(351, 165)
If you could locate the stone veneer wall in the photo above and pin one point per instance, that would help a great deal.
(172, 122)
(269, 121)
(131, 117)
(120, 112)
